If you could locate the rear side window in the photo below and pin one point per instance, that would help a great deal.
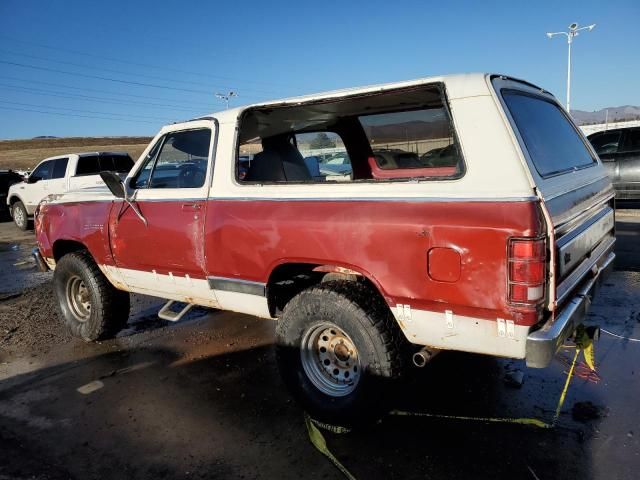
(88, 165)
(419, 140)
(94, 164)
(122, 163)
(60, 168)
(115, 163)
(631, 141)
(605, 142)
(401, 134)
(553, 143)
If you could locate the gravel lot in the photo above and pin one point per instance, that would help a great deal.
(203, 399)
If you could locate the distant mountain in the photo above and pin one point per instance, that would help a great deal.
(616, 114)
(44, 136)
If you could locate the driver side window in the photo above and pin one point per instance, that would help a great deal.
(178, 160)
(42, 172)
(182, 161)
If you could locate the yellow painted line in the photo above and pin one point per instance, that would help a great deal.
(320, 443)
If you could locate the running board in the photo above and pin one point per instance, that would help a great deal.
(169, 315)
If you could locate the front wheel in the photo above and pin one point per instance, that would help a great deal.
(338, 351)
(91, 307)
(20, 216)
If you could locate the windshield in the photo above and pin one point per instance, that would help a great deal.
(552, 141)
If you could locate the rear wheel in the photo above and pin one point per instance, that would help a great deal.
(20, 216)
(338, 351)
(91, 307)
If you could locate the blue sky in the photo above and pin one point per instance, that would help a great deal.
(52, 52)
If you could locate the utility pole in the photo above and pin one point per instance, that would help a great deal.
(226, 97)
(573, 32)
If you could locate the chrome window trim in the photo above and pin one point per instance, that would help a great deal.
(375, 199)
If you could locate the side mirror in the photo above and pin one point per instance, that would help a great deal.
(114, 183)
(32, 179)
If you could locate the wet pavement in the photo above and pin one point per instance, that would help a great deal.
(202, 399)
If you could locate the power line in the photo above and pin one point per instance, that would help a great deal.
(108, 79)
(111, 101)
(75, 115)
(85, 89)
(135, 74)
(77, 110)
(128, 62)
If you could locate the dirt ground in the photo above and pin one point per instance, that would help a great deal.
(26, 154)
(202, 398)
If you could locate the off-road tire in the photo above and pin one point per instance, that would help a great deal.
(20, 216)
(361, 313)
(109, 307)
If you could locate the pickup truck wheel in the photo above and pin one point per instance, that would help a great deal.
(338, 351)
(20, 216)
(92, 308)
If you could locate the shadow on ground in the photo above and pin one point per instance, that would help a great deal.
(157, 415)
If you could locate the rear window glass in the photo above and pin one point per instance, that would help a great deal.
(93, 165)
(553, 143)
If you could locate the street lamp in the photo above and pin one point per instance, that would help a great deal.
(226, 97)
(573, 32)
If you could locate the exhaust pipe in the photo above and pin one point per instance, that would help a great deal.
(424, 356)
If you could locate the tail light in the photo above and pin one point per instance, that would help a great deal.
(527, 270)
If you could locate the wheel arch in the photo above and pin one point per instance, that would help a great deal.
(289, 277)
(14, 198)
(61, 247)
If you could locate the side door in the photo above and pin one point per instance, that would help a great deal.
(169, 188)
(36, 187)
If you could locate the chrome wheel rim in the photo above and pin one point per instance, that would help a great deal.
(78, 298)
(330, 360)
(18, 217)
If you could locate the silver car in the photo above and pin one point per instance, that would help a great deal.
(619, 150)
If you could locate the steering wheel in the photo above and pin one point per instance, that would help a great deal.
(191, 177)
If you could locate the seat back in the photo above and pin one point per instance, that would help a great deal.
(279, 161)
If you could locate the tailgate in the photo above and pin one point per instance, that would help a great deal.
(574, 186)
(584, 227)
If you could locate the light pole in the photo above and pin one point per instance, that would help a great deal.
(226, 97)
(573, 32)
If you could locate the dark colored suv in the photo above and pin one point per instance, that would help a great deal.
(619, 150)
(7, 178)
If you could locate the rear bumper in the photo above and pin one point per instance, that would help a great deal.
(543, 344)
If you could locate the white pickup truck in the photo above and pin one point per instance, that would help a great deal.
(57, 175)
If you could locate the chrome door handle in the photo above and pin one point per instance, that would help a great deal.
(191, 206)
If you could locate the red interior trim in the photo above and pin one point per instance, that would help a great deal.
(379, 173)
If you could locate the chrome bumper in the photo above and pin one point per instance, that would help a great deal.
(543, 344)
(42, 265)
